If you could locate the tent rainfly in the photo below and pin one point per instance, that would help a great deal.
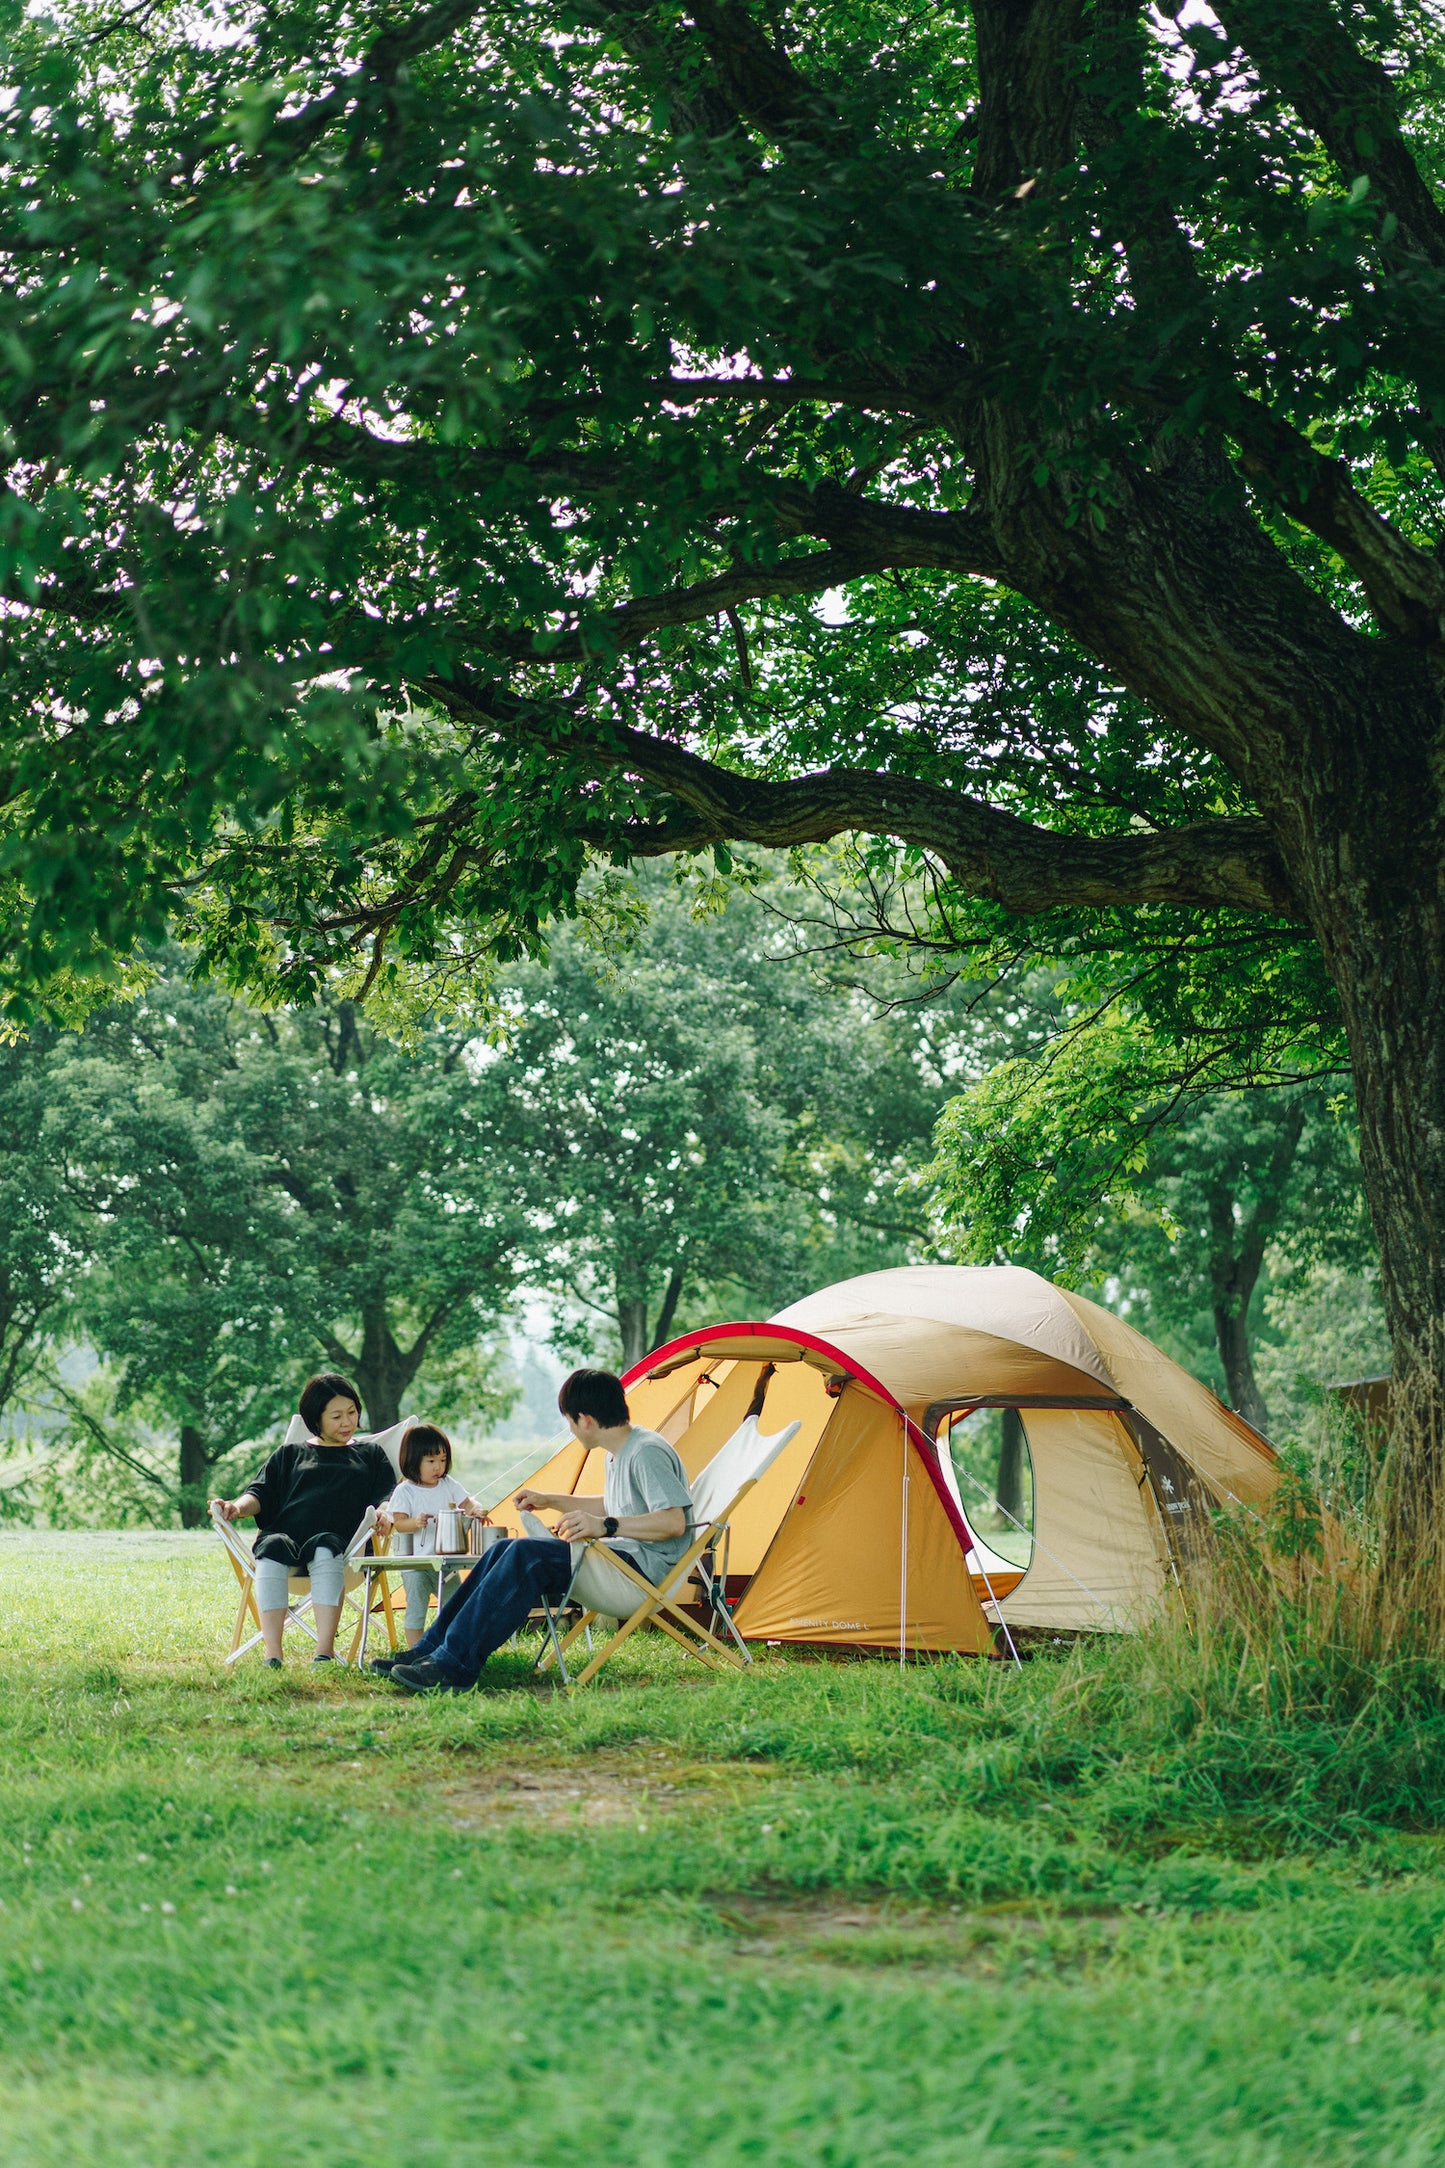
(860, 1533)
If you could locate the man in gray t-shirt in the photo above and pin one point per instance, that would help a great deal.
(645, 1512)
(644, 1476)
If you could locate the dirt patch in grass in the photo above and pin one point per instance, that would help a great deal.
(595, 1791)
(991, 1944)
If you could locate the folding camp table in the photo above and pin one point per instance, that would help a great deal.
(441, 1563)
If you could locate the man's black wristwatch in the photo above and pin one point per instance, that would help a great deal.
(609, 1524)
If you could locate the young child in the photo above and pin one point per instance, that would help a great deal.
(427, 1486)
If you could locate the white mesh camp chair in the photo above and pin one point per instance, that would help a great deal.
(607, 1585)
(298, 1589)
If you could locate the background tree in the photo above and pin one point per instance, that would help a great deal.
(1245, 1184)
(271, 1192)
(45, 1240)
(1096, 1158)
(707, 1123)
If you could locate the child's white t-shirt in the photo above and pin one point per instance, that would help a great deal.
(414, 1498)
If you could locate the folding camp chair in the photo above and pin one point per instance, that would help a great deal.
(377, 1593)
(607, 1585)
(298, 1589)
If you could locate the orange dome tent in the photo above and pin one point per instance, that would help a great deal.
(859, 1535)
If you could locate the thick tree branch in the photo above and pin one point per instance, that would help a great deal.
(869, 537)
(1405, 585)
(378, 72)
(1027, 99)
(989, 853)
(1344, 97)
(753, 79)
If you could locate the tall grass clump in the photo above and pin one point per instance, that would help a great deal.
(1297, 1679)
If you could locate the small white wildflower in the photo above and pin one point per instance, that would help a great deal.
(142, 1859)
(230, 1889)
(168, 1906)
(76, 1905)
(145, 1908)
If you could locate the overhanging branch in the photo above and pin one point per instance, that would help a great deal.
(868, 537)
(990, 854)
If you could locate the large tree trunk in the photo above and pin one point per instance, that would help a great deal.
(194, 1467)
(1384, 940)
(1009, 1488)
(1340, 738)
(632, 1328)
(1231, 1330)
(1360, 818)
(383, 1369)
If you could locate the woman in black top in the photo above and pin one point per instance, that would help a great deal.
(309, 1500)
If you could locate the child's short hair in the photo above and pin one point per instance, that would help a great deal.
(318, 1393)
(596, 1393)
(420, 1441)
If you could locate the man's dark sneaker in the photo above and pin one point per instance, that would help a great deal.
(273, 1663)
(383, 1666)
(423, 1678)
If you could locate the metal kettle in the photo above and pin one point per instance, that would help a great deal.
(451, 1531)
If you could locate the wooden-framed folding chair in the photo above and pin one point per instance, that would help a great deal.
(356, 1593)
(607, 1585)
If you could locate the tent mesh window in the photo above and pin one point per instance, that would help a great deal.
(994, 1473)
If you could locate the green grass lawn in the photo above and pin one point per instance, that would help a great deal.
(819, 1916)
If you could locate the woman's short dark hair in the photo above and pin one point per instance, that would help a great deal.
(318, 1393)
(421, 1439)
(596, 1393)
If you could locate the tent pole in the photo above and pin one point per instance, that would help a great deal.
(1013, 1652)
(903, 1566)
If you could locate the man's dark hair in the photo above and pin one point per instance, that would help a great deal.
(421, 1439)
(596, 1393)
(318, 1393)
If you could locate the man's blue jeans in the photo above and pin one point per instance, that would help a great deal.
(506, 1583)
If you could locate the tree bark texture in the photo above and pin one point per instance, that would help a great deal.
(632, 1329)
(382, 1368)
(1009, 1487)
(194, 1467)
